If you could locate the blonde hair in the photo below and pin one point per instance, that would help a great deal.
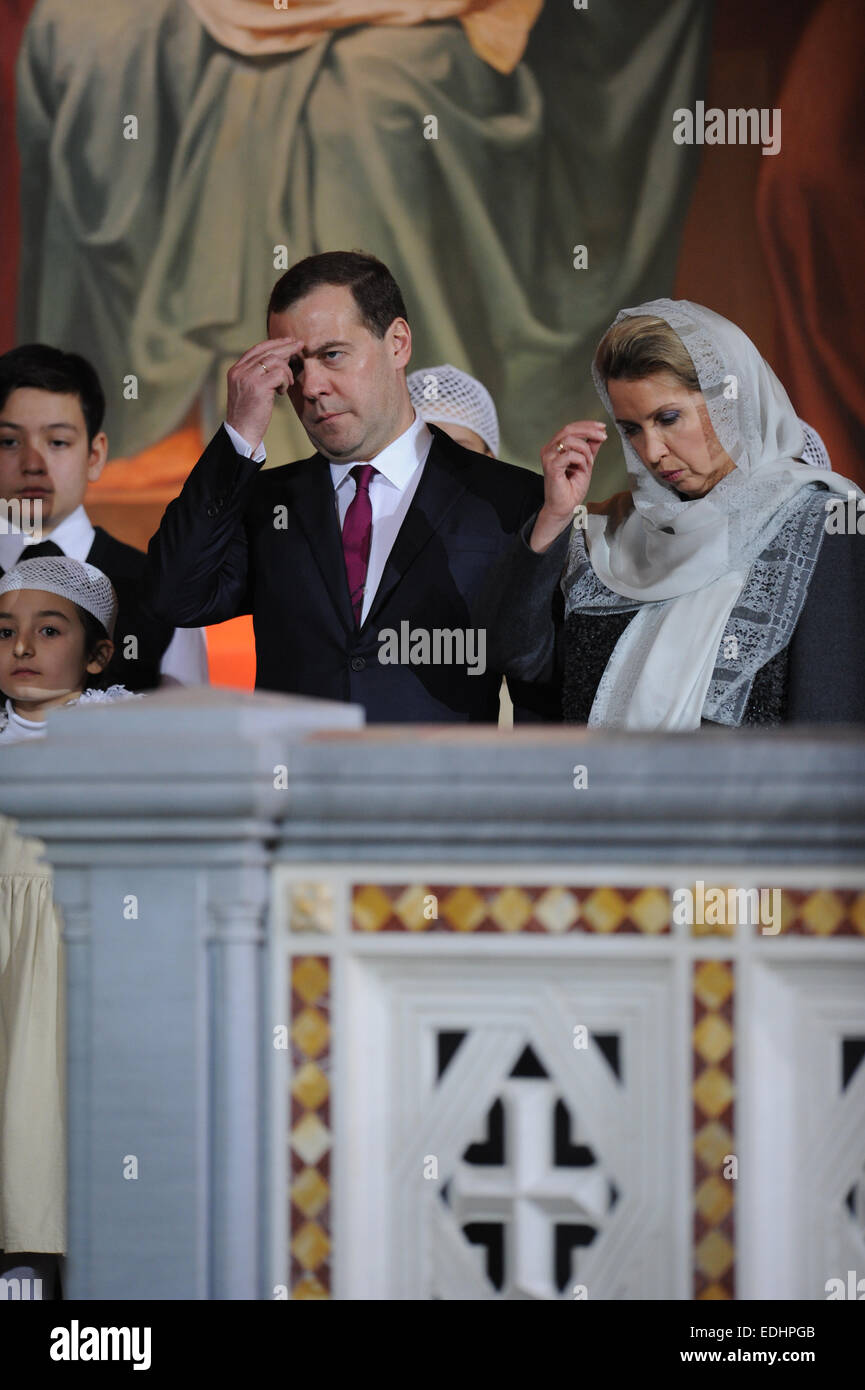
(641, 345)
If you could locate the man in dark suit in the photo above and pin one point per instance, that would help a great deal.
(359, 564)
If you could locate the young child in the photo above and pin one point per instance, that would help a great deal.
(56, 623)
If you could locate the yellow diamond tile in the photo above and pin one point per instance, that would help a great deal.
(310, 978)
(713, 1037)
(310, 1192)
(310, 1085)
(464, 908)
(822, 912)
(713, 1091)
(651, 910)
(371, 908)
(308, 1287)
(310, 1245)
(604, 909)
(312, 907)
(310, 1031)
(714, 1255)
(310, 1139)
(713, 983)
(857, 913)
(409, 908)
(714, 1291)
(511, 909)
(557, 909)
(712, 1143)
(713, 1199)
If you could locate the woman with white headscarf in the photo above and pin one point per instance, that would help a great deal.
(727, 586)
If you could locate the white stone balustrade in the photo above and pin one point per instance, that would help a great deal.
(405, 1014)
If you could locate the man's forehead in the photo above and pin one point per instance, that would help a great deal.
(52, 407)
(328, 312)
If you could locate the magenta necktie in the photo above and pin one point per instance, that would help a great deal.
(356, 536)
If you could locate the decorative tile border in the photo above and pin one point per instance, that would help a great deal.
(311, 907)
(310, 1137)
(822, 912)
(558, 910)
(715, 1161)
(545, 910)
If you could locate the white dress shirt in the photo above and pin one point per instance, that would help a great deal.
(242, 447)
(398, 471)
(184, 661)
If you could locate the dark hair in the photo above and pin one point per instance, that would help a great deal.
(94, 633)
(48, 369)
(376, 293)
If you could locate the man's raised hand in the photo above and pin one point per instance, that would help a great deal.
(256, 377)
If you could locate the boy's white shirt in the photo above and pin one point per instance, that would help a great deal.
(184, 659)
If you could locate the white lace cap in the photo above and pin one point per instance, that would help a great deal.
(814, 450)
(447, 396)
(58, 574)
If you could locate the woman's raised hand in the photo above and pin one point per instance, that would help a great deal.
(567, 462)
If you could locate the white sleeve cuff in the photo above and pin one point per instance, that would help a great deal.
(184, 661)
(242, 447)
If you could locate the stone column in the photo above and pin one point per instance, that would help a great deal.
(158, 816)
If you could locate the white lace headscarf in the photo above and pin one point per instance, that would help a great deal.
(75, 580)
(684, 563)
(446, 396)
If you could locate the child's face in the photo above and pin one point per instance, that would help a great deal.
(42, 641)
(45, 454)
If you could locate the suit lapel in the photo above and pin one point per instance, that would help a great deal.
(442, 484)
(96, 554)
(315, 508)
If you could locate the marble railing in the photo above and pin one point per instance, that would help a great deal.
(414, 1013)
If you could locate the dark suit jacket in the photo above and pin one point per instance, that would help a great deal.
(134, 664)
(240, 539)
